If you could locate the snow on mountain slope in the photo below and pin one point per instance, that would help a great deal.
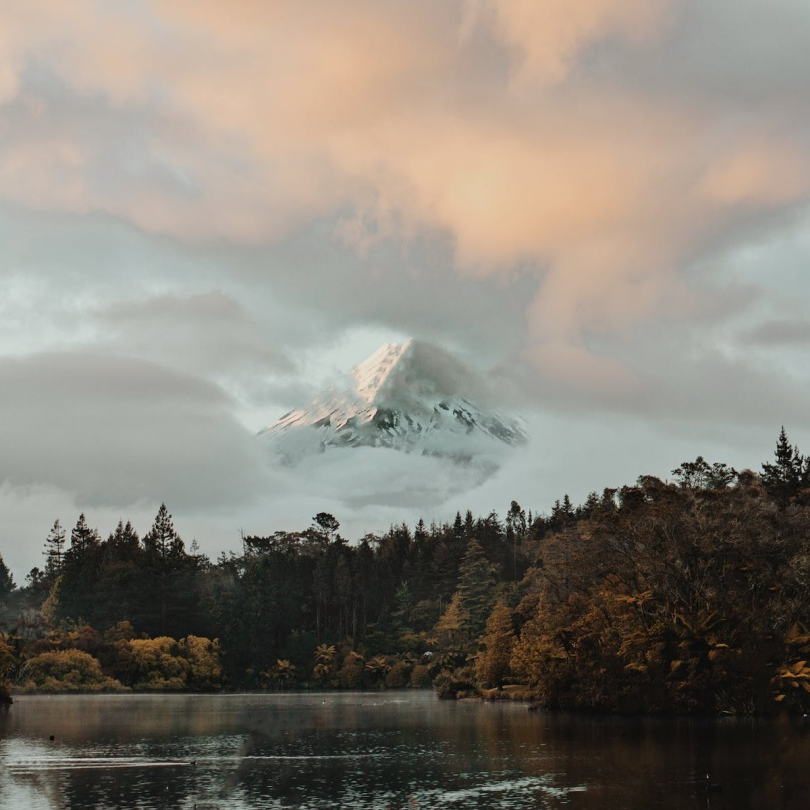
(412, 397)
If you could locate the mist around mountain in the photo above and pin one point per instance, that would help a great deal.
(412, 409)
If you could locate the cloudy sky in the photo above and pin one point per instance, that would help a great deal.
(208, 211)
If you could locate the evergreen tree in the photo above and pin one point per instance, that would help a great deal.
(476, 589)
(162, 542)
(6, 582)
(785, 477)
(469, 525)
(515, 532)
(54, 550)
(169, 585)
(83, 541)
(79, 577)
(123, 543)
(120, 592)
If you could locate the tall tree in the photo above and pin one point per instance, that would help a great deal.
(6, 581)
(162, 541)
(83, 539)
(785, 477)
(492, 664)
(80, 574)
(169, 578)
(476, 589)
(515, 532)
(54, 550)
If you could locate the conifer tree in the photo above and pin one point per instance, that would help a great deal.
(169, 580)
(124, 542)
(54, 550)
(83, 540)
(162, 541)
(6, 581)
(476, 589)
(515, 532)
(79, 575)
(785, 477)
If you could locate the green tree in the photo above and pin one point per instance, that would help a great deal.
(327, 525)
(119, 594)
(78, 581)
(83, 540)
(162, 542)
(7, 585)
(54, 550)
(785, 477)
(168, 578)
(476, 589)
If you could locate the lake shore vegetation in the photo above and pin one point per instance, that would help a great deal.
(684, 596)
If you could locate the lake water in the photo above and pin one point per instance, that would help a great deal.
(383, 750)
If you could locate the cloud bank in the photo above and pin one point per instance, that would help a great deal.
(204, 206)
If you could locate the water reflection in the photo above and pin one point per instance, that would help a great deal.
(397, 750)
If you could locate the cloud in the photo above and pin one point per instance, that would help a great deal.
(115, 431)
(780, 333)
(210, 334)
(548, 36)
(603, 200)
(531, 136)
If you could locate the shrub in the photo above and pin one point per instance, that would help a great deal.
(66, 671)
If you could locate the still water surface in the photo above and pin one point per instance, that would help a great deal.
(383, 750)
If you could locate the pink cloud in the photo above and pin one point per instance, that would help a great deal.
(470, 120)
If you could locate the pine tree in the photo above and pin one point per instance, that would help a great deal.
(78, 580)
(515, 532)
(83, 540)
(469, 525)
(123, 543)
(6, 582)
(784, 479)
(162, 541)
(476, 589)
(54, 550)
(169, 578)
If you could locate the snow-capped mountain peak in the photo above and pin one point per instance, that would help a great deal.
(370, 376)
(412, 397)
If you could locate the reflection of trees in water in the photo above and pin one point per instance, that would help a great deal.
(324, 748)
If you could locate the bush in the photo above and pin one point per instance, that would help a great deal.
(66, 671)
(397, 677)
(420, 677)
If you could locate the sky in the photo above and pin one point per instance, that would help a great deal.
(210, 211)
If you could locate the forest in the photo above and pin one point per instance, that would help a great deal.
(681, 596)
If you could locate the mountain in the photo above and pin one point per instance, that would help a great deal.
(412, 397)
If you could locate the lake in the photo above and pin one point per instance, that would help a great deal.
(383, 750)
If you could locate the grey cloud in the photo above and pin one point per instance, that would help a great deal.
(780, 333)
(115, 431)
(209, 332)
(412, 289)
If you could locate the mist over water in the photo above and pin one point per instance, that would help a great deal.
(382, 750)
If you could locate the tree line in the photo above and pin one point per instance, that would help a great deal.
(687, 595)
